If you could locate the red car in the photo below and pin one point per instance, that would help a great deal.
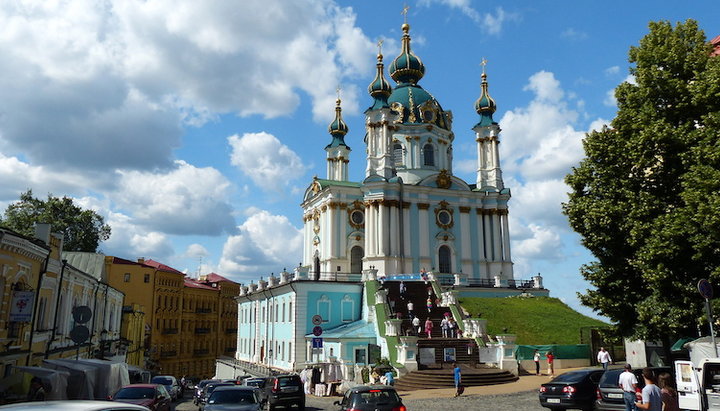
(153, 396)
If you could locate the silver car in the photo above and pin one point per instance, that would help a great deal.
(234, 398)
(75, 405)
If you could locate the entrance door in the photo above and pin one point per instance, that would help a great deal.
(356, 255)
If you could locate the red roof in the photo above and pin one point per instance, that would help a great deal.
(189, 282)
(216, 278)
(163, 267)
(716, 46)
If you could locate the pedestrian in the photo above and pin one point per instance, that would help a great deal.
(37, 391)
(445, 327)
(668, 393)
(452, 325)
(628, 383)
(391, 301)
(398, 315)
(411, 309)
(651, 395)
(603, 358)
(429, 305)
(429, 291)
(457, 374)
(416, 325)
(536, 358)
(551, 363)
(402, 289)
(428, 327)
(389, 378)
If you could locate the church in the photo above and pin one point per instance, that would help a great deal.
(408, 224)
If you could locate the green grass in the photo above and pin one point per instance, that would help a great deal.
(535, 321)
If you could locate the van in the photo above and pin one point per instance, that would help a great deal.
(698, 387)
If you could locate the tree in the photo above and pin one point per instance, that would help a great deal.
(82, 229)
(646, 198)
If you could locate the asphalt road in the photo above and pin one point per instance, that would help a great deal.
(506, 402)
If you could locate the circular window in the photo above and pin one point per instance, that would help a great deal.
(444, 217)
(357, 217)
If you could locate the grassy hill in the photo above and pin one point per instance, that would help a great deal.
(537, 320)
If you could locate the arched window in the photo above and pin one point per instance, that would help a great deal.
(444, 259)
(398, 155)
(429, 155)
(356, 256)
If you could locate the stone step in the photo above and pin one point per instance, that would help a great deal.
(443, 378)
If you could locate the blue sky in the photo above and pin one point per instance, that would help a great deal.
(194, 127)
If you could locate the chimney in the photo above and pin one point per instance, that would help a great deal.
(141, 260)
(42, 232)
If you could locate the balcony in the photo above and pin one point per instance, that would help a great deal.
(202, 331)
(202, 351)
(231, 331)
(168, 354)
(203, 310)
(170, 331)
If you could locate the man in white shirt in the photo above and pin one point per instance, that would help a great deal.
(628, 383)
(411, 309)
(603, 358)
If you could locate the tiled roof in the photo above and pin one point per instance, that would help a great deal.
(163, 267)
(189, 282)
(716, 46)
(215, 278)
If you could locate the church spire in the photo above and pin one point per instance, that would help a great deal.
(338, 128)
(379, 89)
(485, 105)
(338, 153)
(407, 67)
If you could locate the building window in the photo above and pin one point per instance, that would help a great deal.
(127, 277)
(444, 259)
(283, 312)
(360, 355)
(356, 255)
(290, 317)
(398, 155)
(323, 308)
(289, 352)
(347, 308)
(429, 155)
(146, 278)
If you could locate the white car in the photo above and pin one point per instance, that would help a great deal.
(75, 405)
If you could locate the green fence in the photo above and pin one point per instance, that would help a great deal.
(561, 352)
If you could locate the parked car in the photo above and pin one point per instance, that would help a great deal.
(610, 395)
(571, 390)
(75, 405)
(284, 390)
(199, 389)
(371, 398)
(171, 385)
(234, 398)
(208, 390)
(258, 383)
(153, 396)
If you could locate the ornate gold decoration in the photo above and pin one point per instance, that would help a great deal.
(323, 208)
(443, 179)
(357, 238)
(444, 212)
(423, 206)
(356, 205)
(398, 108)
(411, 117)
(464, 209)
(315, 187)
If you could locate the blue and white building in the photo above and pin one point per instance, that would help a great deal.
(408, 213)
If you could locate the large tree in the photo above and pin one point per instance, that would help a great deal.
(646, 198)
(83, 229)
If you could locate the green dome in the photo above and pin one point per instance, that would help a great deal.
(416, 105)
(485, 105)
(338, 128)
(407, 67)
(379, 89)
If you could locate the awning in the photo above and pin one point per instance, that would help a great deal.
(678, 346)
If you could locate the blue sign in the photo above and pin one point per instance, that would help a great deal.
(705, 289)
(317, 343)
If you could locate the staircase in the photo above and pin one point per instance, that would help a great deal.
(443, 378)
(417, 292)
(461, 346)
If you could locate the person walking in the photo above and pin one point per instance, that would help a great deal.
(428, 327)
(651, 395)
(536, 358)
(551, 363)
(429, 305)
(445, 327)
(402, 290)
(451, 327)
(416, 325)
(411, 309)
(628, 383)
(391, 302)
(603, 358)
(668, 393)
(457, 374)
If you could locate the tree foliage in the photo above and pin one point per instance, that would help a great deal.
(646, 198)
(82, 229)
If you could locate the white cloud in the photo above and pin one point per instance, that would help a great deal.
(18, 176)
(610, 71)
(196, 251)
(266, 243)
(261, 156)
(573, 34)
(492, 23)
(545, 87)
(543, 244)
(184, 200)
(130, 240)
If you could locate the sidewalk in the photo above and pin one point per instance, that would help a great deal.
(525, 383)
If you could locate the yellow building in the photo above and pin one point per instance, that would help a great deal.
(132, 332)
(227, 312)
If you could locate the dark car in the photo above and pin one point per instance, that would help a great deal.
(571, 390)
(258, 383)
(171, 385)
(234, 398)
(284, 391)
(610, 395)
(371, 398)
(199, 390)
(208, 390)
(153, 396)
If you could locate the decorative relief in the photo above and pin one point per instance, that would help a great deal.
(315, 187)
(423, 206)
(444, 215)
(356, 215)
(443, 179)
(464, 209)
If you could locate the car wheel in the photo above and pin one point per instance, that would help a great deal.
(301, 406)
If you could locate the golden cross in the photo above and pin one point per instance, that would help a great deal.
(483, 63)
(405, 11)
(337, 90)
(379, 44)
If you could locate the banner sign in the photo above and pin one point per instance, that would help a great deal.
(22, 306)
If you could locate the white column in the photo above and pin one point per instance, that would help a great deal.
(331, 232)
(406, 234)
(384, 238)
(330, 174)
(465, 236)
(370, 230)
(342, 228)
(497, 243)
(424, 233)
(488, 237)
(506, 236)
(394, 236)
(480, 232)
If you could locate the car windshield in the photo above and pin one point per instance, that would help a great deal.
(162, 380)
(232, 397)
(211, 387)
(135, 393)
(255, 383)
(610, 379)
(377, 397)
(570, 377)
(289, 382)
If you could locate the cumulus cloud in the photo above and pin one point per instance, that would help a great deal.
(573, 34)
(266, 243)
(130, 240)
(184, 200)
(18, 176)
(492, 23)
(269, 163)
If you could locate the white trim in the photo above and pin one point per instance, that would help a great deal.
(324, 300)
(347, 299)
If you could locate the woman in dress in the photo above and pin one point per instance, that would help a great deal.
(667, 392)
(428, 327)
